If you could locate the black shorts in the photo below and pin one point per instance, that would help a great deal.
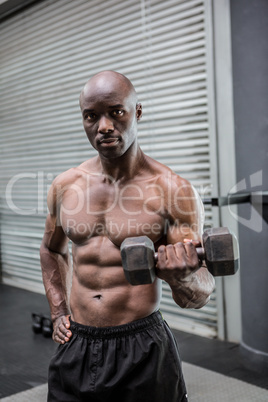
(138, 361)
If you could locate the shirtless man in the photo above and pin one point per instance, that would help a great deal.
(113, 340)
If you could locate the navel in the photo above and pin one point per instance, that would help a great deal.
(98, 297)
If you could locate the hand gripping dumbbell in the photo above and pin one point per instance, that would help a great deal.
(220, 252)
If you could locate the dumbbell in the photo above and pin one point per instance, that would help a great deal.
(42, 324)
(220, 252)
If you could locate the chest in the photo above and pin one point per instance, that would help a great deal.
(113, 211)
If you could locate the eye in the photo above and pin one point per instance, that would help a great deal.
(117, 112)
(90, 116)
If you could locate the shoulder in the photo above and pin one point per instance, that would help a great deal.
(170, 180)
(58, 186)
(182, 200)
(70, 176)
(66, 180)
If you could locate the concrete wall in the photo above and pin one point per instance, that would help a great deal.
(249, 24)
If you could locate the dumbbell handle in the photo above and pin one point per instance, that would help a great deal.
(200, 252)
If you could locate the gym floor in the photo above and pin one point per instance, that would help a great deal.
(24, 356)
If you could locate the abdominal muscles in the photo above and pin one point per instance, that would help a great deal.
(100, 294)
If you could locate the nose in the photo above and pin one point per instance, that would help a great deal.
(105, 125)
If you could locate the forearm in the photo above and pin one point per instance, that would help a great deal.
(194, 290)
(56, 278)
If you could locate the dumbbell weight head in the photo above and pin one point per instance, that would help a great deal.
(47, 327)
(138, 260)
(221, 251)
(37, 323)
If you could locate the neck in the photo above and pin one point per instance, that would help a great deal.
(125, 167)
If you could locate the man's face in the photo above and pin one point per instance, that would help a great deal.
(110, 116)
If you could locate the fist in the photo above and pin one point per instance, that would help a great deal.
(177, 261)
(61, 332)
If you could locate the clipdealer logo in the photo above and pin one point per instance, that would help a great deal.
(255, 220)
(123, 197)
(40, 183)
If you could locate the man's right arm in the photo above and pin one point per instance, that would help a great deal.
(56, 270)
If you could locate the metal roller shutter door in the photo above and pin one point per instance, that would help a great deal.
(48, 51)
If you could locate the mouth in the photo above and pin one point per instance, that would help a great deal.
(109, 141)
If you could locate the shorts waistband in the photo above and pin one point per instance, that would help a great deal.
(119, 330)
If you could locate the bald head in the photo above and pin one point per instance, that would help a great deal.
(109, 108)
(107, 82)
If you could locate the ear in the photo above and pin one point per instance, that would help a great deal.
(138, 111)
